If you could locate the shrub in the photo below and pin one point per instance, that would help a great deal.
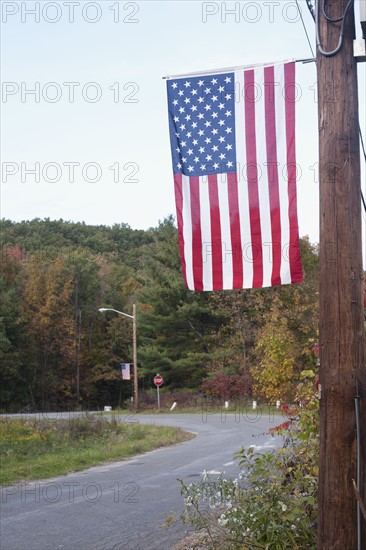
(271, 504)
(227, 386)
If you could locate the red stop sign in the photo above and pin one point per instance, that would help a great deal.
(158, 380)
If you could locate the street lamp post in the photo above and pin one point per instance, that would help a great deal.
(134, 340)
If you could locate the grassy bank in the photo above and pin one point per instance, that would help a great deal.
(40, 449)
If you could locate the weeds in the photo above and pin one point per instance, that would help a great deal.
(37, 450)
(271, 504)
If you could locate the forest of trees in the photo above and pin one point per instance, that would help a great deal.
(58, 352)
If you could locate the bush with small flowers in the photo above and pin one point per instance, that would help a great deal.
(271, 504)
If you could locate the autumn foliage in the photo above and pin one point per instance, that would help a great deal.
(227, 386)
(58, 352)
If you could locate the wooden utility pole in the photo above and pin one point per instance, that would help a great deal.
(341, 326)
(135, 378)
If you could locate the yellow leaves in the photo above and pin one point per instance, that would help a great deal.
(307, 374)
(279, 352)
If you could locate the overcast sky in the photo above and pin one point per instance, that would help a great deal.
(95, 128)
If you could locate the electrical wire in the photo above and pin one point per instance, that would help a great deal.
(362, 143)
(311, 8)
(312, 11)
(364, 154)
(358, 466)
(347, 8)
(303, 24)
(330, 19)
(343, 19)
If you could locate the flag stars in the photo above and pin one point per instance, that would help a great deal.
(202, 110)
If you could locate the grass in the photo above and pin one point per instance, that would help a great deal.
(32, 449)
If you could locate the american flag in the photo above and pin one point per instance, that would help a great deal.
(232, 138)
(125, 370)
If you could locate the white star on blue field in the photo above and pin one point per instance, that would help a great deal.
(202, 124)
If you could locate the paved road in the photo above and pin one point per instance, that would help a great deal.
(122, 505)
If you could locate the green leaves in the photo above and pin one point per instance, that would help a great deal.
(57, 274)
(270, 504)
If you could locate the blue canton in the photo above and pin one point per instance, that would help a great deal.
(202, 124)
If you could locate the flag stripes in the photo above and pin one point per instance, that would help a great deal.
(238, 228)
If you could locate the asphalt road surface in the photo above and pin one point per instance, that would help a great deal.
(123, 505)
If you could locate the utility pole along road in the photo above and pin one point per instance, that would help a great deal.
(121, 505)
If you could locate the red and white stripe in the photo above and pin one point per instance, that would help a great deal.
(240, 230)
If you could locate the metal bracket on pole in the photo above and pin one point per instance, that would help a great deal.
(359, 50)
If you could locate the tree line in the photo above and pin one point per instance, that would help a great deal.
(57, 351)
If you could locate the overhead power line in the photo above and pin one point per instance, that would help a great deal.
(304, 27)
(311, 4)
